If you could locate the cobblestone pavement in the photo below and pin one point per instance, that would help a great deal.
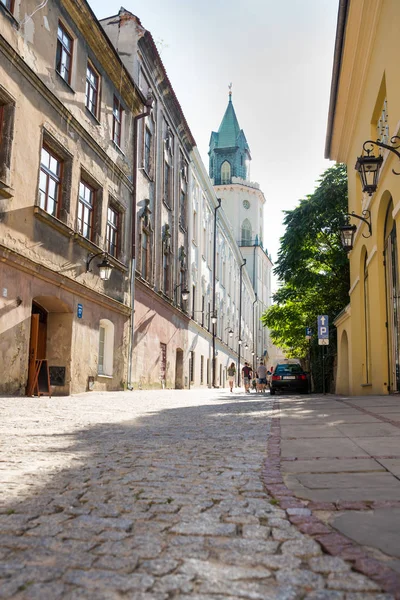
(152, 496)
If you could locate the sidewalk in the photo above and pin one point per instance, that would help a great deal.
(340, 460)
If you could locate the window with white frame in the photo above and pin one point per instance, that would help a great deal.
(92, 89)
(64, 53)
(105, 362)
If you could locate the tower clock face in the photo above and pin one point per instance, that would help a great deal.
(246, 203)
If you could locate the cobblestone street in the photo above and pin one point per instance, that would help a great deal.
(152, 495)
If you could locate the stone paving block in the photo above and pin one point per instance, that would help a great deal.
(351, 582)
(40, 591)
(300, 577)
(104, 579)
(302, 547)
(325, 595)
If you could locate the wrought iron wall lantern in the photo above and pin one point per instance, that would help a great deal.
(368, 166)
(184, 293)
(347, 232)
(105, 267)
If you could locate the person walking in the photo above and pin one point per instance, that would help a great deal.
(247, 373)
(262, 377)
(231, 375)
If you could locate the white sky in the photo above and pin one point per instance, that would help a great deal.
(278, 54)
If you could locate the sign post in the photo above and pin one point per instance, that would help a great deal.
(323, 340)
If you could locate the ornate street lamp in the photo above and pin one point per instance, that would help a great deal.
(105, 267)
(347, 232)
(368, 166)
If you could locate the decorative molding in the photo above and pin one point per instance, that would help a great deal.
(351, 290)
(372, 254)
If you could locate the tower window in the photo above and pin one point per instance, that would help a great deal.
(225, 173)
(246, 233)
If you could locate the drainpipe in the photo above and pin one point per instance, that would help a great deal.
(213, 299)
(148, 106)
(240, 317)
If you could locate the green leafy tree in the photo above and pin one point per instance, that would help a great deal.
(314, 273)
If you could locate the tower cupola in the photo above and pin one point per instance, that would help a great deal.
(229, 151)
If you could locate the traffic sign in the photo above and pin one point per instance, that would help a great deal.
(323, 327)
(323, 341)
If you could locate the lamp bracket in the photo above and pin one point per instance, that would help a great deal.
(366, 218)
(395, 141)
(91, 256)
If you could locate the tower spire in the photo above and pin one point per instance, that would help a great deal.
(230, 91)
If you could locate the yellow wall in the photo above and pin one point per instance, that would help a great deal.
(369, 72)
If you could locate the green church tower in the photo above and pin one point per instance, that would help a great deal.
(229, 151)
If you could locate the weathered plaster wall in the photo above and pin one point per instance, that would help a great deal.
(156, 322)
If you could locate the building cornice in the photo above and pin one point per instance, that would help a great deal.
(357, 25)
(165, 91)
(39, 271)
(94, 34)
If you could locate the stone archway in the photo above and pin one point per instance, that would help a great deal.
(50, 340)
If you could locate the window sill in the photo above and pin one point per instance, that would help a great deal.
(88, 244)
(117, 263)
(9, 15)
(54, 222)
(118, 148)
(146, 174)
(6, 191)
(65, 82)
(103, 376)
(92, 117)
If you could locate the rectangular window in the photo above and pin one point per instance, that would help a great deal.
(112, 233)
(117, 122)
(201, 369)
(147, 150)
(182, 210)
(85, 210)
(145, 252)
(166, 183)
(7, 113)
(191, 366)
(194, 233)
(166, 273)
(163, 362)
(50, 182)
(92, 90)
(102, 337)
(203, 308)
(193, 300)
(64, 53)
(8, 4)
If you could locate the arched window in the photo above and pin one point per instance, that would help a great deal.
(225, 172)
(366, 321)
(106, 348)
(246, 233)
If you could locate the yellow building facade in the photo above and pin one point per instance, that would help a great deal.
(365, 105)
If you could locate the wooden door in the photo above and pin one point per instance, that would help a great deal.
(33, 350)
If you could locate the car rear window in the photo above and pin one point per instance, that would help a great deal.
(288, 369)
